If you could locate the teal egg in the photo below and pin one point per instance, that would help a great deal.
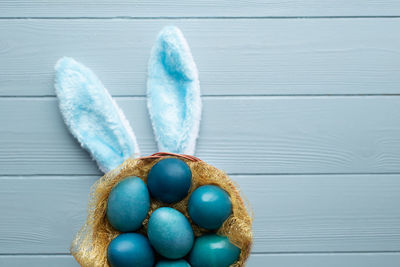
(178, 263)
(213, 251)
(169, 180)
(170, 233)
(209, 206)
(130, 250)
(128, 204)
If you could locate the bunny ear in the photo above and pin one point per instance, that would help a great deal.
(173, 92)
(92, 115)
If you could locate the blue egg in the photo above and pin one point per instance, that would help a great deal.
(209, 206)
(170, 233)
(169, 180)
(130, 250)
(177, 263)
(128, 204)
(213, 251)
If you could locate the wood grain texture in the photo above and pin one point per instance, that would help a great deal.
(303, 213)
(333, 212)
(38, 261)
(238, 135)
(271, 260)
(235, 57)
(326, 260)
(173, 8)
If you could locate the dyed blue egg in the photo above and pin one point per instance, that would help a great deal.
(209, 206)
(169, 180)
(178, 263)
(128, 204)
(213, 251)
(170, 233)
(130, 250)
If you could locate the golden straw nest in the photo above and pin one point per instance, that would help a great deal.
(89, 246)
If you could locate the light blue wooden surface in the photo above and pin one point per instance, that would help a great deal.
(254, 135)
(301, 106)
(234, 56)
(294, 213)
(192, 8)
(296, 260)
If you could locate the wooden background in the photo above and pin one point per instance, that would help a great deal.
(301, 106)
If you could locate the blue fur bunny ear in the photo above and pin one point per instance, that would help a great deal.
(92, 115)
(173, 92)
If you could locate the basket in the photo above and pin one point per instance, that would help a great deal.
(89, 246)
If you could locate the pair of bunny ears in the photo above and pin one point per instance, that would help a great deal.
(173, 98)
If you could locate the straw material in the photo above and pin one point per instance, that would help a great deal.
(90, 244)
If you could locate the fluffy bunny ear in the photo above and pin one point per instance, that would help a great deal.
(92, 115)
(173, 92)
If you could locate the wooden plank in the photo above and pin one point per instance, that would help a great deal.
(38, 261)
(326, 260)
(273, 260)
(189, 8)
(235, 57)
(41, 214)
(325, 213)
(238, 134)
(300, 213)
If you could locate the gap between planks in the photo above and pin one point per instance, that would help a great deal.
(63, 175)
(252, 96)
(197, 17)
(253, 253)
